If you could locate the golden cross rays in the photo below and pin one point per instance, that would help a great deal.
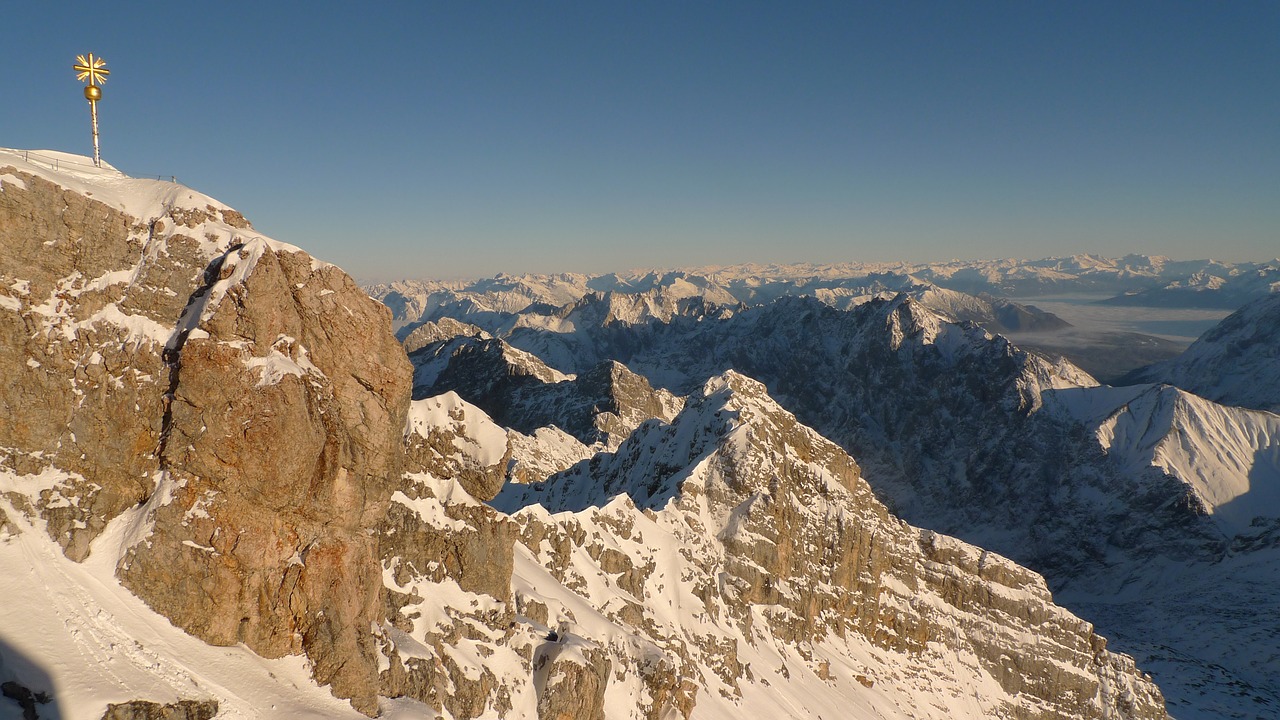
(92, 68)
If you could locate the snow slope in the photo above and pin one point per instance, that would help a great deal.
(1229, 458)
(71, 630)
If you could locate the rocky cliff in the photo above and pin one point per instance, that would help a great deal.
(601, 406)
(749, 548)
(191, 385)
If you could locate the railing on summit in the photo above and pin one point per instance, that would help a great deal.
(57, 163)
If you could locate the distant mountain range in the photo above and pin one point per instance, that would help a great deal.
(1110, 492)
(1134, 279)
(997, 295)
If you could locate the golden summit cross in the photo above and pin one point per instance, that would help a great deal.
(93, 69)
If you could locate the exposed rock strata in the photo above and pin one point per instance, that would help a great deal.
(90, 294)
(280, 446)
(781, 540)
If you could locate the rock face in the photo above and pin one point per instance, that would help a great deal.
(143, 710)
(450, 639)
(449, 438)
(197, 384)
(88, 297)
(282, 448)
(441, 330)
(572, 689)
(599, 407)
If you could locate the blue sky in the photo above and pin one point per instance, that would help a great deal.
(461, 139)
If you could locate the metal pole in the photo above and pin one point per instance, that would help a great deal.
(93, 112)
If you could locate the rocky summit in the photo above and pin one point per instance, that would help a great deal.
(222, 496)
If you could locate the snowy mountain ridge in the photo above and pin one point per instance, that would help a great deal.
(771, 522)
(1133, 279)
(1222, 454)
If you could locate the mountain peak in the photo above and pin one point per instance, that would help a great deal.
(783, 542)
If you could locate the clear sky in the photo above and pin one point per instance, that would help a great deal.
(461, 139)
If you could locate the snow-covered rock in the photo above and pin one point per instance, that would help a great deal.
(744, 551)
(1228, 458)
(183, 413)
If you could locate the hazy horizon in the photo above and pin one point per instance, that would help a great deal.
(709, 268)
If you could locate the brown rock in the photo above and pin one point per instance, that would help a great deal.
(146, 710)
(286, 441)
(573, 681)
(81, 391)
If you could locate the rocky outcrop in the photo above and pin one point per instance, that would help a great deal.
(440, 330)
(88, 297)
(145, 710)
(280, 446)
(447, 564)
(449, 438)
(620, 401)
(573, 681)
(195, 385)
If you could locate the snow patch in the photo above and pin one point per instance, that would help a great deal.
(475, 434)
(277, 365)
